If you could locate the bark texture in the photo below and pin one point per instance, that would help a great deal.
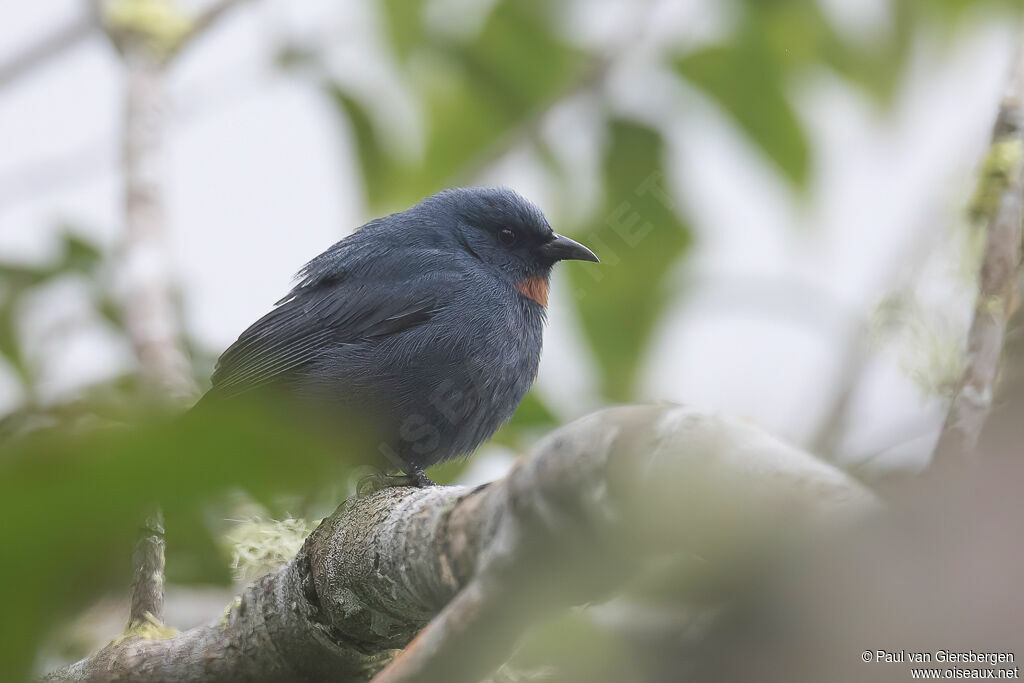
(147, 601)
(469, 569)
(997, 296)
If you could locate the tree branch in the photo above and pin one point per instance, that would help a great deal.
(476, 566)
(997, 296)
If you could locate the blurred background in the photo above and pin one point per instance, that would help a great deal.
(780, 192)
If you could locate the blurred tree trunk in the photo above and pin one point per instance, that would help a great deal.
(148, 34)
(150, 313)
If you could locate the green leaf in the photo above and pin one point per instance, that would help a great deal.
(955, 10)
(16, 277)
(639, 237)
(483, 89)
(109, 309)
(404, 20)
(745, 80)
(380, 172)
(10, 344)
(473, 93)
(797, 35)
(79, 255)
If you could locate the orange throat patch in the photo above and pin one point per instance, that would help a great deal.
(535, 288)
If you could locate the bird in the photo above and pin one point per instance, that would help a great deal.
(428, 321)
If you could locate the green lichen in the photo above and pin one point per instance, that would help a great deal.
(998, 173)
(1001, 307)
(259, 546)
(162, 25)
(927, 344)
(150, 628)
(233, 605)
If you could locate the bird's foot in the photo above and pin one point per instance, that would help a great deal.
(378, 481)
(420, 479)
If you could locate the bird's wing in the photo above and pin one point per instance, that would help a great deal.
(313, 319)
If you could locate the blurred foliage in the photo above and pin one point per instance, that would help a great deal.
(473, 92)
(91, 267)
(928, 345)
(19, 281)
(748, 84)
(73, 501)
(72, 498)
(576, 650)
(640, 237)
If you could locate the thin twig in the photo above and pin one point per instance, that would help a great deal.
(997, 296)
(147, 600)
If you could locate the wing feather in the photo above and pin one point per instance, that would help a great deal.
(311, 321)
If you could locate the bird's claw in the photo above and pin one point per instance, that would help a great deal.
(421, 479)
(378, 481)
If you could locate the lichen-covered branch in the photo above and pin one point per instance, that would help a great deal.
(476, 566)
(1000, 202)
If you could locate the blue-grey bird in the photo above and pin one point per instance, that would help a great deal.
(427, 323)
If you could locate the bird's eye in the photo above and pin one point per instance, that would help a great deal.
(508, 237)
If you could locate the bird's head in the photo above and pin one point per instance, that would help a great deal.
(507, 233)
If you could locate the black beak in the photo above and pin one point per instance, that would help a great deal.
(564, 249)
